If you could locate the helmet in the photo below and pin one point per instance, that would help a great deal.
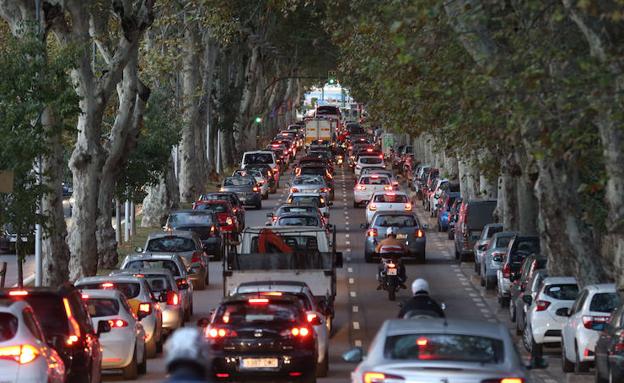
(420, 285)
(187, 346)
(392, 231)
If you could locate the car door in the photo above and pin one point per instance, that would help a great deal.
(569, 330)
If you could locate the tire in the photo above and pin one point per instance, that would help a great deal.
(323, 369)
(151, 348)
(451, 234)
(518, 329)
(566, 365)
(512, 312)
(482, 280)
(578, 365)
(259, 205)
(142, 367)
(439, 228)
(159, 345)
(457, 255)
(131, 371)
(489, 283)
(392, 294)
(355, 205)
(310, 378)
(368, 258)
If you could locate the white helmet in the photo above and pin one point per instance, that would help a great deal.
(420, 285)
(187, 345)
(392, 231)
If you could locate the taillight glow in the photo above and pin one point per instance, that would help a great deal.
(300, 331)
(378, 377)
(541, 305)
(21, 354)
(18, 293)
(422, 341)
(372, 207)
(255, 188)
(372, 232)
(361, 187)
(258, 301)
(388, 187)
(117, 323)
(229, 220)
(145, 307)
(512, 380)
(173, 298)
(408, 206)
(419, 233)
(310, 317)
(216, 332)
(589, 320)
(107, 285)
(294, 190)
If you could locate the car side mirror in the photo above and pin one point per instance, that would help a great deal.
(183, 285)
(203, 322)
(138, 249)
(314, 319)
(354, 355)
(102, 327)
(326, 215)
(563, 312)
(527, 299)
(162, 297)
(339, 260)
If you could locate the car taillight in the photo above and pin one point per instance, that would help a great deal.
(372, 207)
(298, 332)
(229, 221)
(388, 187)
(182, 283)
(361, 187)
(619, 345)
(117, 323)
(74, 328)
(172, 298)
(408, 206)
(145, 307)
(541, 305)
(21, 354)
(379, 377)
(504, 380)
(219, 332)
(506, 271)
(593, 322)
(255, 188)
(294, 190)
(391, 265)
(372, 232)
(311, 317)
(18, 293)
(419, 233)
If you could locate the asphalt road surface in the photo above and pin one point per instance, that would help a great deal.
(360, 308)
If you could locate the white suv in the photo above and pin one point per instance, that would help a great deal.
(587, 317)
(543, 318)
(262, 157)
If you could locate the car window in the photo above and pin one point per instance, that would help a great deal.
(128, 289)
(32, 324)
(258, 158)
(8, 326)
(158, 283)
(214, 207)
(227, 197)
(49, 309)
(306, 200)
(564, 292)
(190, 218)
(308, 181)
(395, 220)
(296, 209)
(390, 198)
(154, 264)
(374, 180)
(171, 244)
(102, 307)
(604, 302)
(244, 312)
(239, 181)
(444, 347)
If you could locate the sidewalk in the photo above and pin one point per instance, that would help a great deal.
(11, 275)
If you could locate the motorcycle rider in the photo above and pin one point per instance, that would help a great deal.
(392, 241)
(187, 357)
(421, 301)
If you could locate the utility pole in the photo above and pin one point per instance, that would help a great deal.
(38, 228)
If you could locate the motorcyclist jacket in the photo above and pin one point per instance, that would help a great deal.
(390, 242)
(421, 302)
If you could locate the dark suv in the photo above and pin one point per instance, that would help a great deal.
(262, 337)
(67, 327)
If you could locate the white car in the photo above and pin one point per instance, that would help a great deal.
(543, 324)
(124, 346)
(367, 185)
(264, 157)
(387, 201)
(367, 161)
(315, 199)
(587, 317)
(24, 353)
(437, 190)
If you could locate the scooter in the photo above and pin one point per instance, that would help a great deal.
(389, 276)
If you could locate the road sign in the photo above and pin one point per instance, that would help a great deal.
(6, 181)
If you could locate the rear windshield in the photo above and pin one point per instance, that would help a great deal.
(158, 283)
(390, 198)
(395, 220)
(298, 221)
(154, 264)
(129, 289)
(238, 181)
(308, 181)
(375, 180)
(226, 197)
(297, 209)
(370, 160)
(295, 244)
(306, 200)
(244, 312)
(8, 326)
(528, 246)
(181, 219)
(215, 207)
(444, 347)
(102, 307)
(171, 244)
(503, 241)
(314, 171)
(567, 292)
(258, 158)
(604, 302)
(50, 312)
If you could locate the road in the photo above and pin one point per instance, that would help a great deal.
(360, 308)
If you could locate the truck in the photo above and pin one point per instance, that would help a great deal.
(320, 129)
(302, 253)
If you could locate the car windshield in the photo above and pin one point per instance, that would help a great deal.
(390, 198)
(154, 264)
(308, 181)
(444, 347)
(171, 244)
(215, 207)
(564, 292)
(262, 311)
(374, 180)
(306, 200)
(238, 181)
(370, 160)
(604, 302)
(296, 209)
(258, 158)
(395, 220)
(8, 326)
(196, 218)
(298, 221)
(102, 307)
(129, 289)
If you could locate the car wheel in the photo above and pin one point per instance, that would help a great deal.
(142, 367)
(131, 371)
(259, 205)
(489, 283)
(323, 369)
(355, 204)
(578, 365)
(309, 378)
(512, 312)
(519, 325)
(482, 280)
(457, 255)
(151, 348)
(566, 365)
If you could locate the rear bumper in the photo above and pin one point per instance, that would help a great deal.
(300, 364)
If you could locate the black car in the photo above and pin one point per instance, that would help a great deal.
(609, 357)
(245, 188)
(67, 327)
(232, 197)
(263, 338)
(205, 224)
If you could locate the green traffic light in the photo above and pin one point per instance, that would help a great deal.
(258, 120)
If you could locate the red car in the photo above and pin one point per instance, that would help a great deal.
(224, 211)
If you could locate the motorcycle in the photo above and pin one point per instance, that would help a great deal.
(389, 275)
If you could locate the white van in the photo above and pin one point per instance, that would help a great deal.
(263, 157)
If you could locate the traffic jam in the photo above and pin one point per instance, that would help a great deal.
(267, 270)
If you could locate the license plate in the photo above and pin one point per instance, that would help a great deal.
(392, 271)
(401, 236)
(259, 363)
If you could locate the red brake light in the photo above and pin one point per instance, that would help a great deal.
(310, 317)
(300, 331)
(182, 283)
(294, 190)
(21, 354)
(372, 232)
(506, 271)
(589, 321)
(215, 332)
(422, 341)
(196, 257)
(255, 188)
(258, 301)
(419, 233)
(541, 305)
(18, 293)
(408, 206)
(145, 307)
(229, 220)
(173, 298)
(107, 285)
(117, 323)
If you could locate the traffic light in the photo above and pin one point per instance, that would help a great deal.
(331, 77)
(258, 119)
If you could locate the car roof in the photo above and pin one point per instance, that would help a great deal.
(559, 280)
(601, 288)
(448, 326)
(257, 151)
(285, 229)
(102, 293)
(298, 214)
(390, 192)
(196, 211)
(146, 271)
(109, 278)
(305, 194)
(147, 256)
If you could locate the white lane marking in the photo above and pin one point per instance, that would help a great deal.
(351, 281)
(356, 325)
(485, 311)
(468, 288)
(357, 343)
(353, 294)
(347, 243)
(349, 269)
(348, 249)
(346, 235)
(479, 304)
(355, 309)
(473, 295)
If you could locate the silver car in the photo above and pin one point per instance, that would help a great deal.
(492, 259)
(310, 184)
(482, 243)
(438, 350)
